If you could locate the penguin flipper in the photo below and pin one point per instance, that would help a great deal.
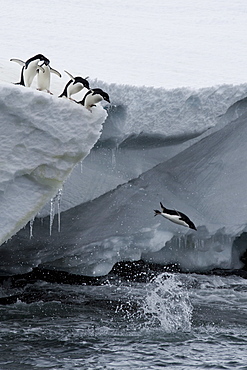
(19, 61)
(55, 72)
(73, 78)
(163, 208)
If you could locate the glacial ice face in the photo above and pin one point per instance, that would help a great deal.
(206, 181)
(42, 138)
(203, 177)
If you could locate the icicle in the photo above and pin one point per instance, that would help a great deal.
(59, 196)
(52, 213)
(81, 166)
(56, 201)
(31, 227)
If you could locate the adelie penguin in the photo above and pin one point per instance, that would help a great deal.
(29, 68)
(92, 97)
(44, 77)
(74, 85)
(175, 216)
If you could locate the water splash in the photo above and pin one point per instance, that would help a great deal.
(167, 304)
(55, 205)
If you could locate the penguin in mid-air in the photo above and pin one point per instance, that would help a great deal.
(92, 97)
(74, 85)
(44, 77)
(175, 216)
(29, 68)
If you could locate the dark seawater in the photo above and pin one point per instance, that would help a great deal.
(175, 321)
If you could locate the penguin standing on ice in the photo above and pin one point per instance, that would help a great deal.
(92, 97)
(74, 85)
(44, 77)
(175, 216)
(29, 68)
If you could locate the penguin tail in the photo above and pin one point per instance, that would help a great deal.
(156, 212)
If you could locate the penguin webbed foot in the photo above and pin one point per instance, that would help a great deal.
(18, 83)
(90, 108)
(156, 212)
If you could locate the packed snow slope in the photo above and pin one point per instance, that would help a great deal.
(199, 173)
(42, 138)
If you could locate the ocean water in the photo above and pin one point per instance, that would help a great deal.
(174, 321)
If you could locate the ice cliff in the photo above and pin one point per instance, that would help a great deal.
(183, 147)
(42, 138)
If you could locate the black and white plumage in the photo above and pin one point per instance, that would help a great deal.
(175, 216)
(94, 96)
(44, 77)
(74, 85)
(29, 68)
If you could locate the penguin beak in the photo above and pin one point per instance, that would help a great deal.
(45, 61)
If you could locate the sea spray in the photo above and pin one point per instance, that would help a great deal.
(167, 304)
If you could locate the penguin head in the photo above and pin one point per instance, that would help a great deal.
(39, 58)
(82, 81)
(42, 58)
(102, 93)
(191, 225)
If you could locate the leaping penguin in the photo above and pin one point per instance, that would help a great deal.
(175, 216)
(29, 68)
(94, 96)
(74, 85)
(44, 77)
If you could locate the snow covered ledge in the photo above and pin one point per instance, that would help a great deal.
(42, 138)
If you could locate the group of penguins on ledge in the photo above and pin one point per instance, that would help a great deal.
(31, 68)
